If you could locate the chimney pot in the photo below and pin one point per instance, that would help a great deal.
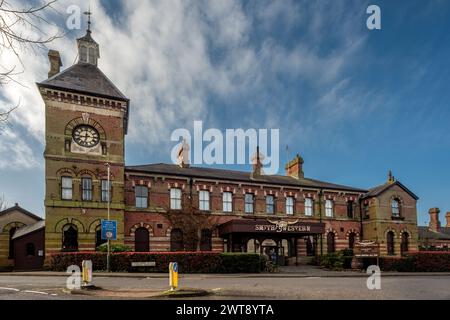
(435, 224)
(55, 62)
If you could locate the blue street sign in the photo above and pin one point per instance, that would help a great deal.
(175, 267)
(109, 229)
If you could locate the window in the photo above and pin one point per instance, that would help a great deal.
(175, 199)
(249, 203)
(395, 206)
(289, 205)
(30, 250)
(366, 211)
(86, 185)
(105, 188)
(351, 240)
(350, 209)
(204, 200)
(206, 240)
(66, 188)
(308, 207)
(70, 238)
(141, 193)
(405, 242)
(227, 199)
(92, 55)
(270, 206)
(83, 54)
(11, 242)
(176, 240)
(141, 240)
(390, 243)
(330, 242)
(328, 208)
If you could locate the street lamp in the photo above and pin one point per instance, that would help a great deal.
(107, 206)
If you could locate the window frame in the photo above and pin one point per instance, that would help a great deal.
(397, 207)
(204, 199)
(291, 205)
(227, 202)
(175, 200)
(140, 197)
(252, 203)
(350, 209)
(309, 209)
(104, 191)
(270, 205)
(65, 188)
(329, 210)
(86, 191)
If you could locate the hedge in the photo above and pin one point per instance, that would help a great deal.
(188, 262)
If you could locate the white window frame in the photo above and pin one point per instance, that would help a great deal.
(105, 194)
(309, 207)
(203, 199)
(329, 208)
(66, 188)
(227, 201)
(270, 204)
(141, 200)
(290, 205)
(248, 204)
(175, 198)
(86, 189)
(395, 208)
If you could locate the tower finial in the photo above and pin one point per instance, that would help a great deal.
(390, 177)
(88, 13)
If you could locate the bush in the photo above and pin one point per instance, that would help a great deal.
(334, 261)
(188, 262)
(114, 248)
(436, 261)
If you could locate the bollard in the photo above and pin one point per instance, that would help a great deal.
(173, 276)
(86, 272)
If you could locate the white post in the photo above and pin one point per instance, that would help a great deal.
(109, 199)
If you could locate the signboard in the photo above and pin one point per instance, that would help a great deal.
(143, 264)
(109, 230)
(366, 249)
(271, 226)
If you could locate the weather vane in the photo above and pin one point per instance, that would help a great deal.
(88, 13)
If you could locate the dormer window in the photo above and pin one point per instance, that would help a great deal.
(395, 208)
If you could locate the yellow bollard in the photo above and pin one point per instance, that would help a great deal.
(173, 276)
(86, 272)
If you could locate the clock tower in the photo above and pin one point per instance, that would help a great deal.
(86, 119)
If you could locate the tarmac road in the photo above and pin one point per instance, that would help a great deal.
(237, 287)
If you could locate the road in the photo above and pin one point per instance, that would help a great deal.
(239, 287)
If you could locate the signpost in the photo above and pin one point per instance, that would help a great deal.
(109, 232)
(367, 249)
(173, 276)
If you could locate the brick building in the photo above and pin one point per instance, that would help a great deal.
(167, 207)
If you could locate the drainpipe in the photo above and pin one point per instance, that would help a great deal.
(361, 232)
(320, 217)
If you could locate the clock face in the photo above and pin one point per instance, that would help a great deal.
(86, 136)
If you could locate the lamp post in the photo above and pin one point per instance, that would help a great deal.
(107, 206)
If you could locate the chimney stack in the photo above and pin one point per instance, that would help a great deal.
(294, 168)
(55, 62)
(257, 165)
(447, 217)
(434, 225)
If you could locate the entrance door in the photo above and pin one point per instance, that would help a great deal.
(141, 240)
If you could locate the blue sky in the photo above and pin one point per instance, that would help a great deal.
(353, 102)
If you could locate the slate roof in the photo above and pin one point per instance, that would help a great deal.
(84, 78)
(426, 233)
(29, 229)
(232, 175)
(22, 210)
(373, 192)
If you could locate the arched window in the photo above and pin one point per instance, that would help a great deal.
(176, 240)
(395, 207)
(11, 242)
(141, 240)
(390, 243)
(330, 242)
(351, 240)
(98, 237)
(405, 242)
(70, 238)
(206, 240)
(30, 250)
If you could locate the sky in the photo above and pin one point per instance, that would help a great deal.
(353, 102)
